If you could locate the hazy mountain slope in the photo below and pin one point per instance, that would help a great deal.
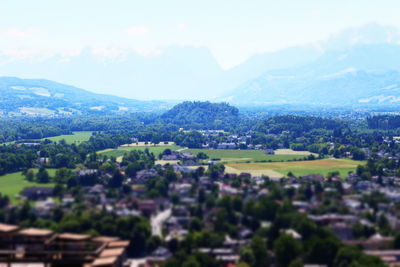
(361, 57)
(355, 75)
(44, 97)
(347, 87)
(175, 73)
(260, 63)
(180, 72)
(353, 67)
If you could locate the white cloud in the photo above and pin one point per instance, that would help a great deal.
(110, 53)
(19, 33)
(182, 26)
(137, 30)
(70, 52)
(26, 54)
(148, 51)
(315, 11)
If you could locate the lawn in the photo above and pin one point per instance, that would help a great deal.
(298, 168)
(13, 183)
(234, 155)
(76, 137)
(120, 151)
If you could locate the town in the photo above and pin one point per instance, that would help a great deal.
(199, 133)
(310, 219)
(285, 190)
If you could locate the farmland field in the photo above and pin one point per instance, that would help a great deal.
(293, 152)
(227, 155)
(76, 137)
(13, 183)
(298, 168)
(120, 151)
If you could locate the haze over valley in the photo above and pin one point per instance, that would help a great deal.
(362, 63)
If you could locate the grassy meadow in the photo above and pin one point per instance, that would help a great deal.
(233, 155)
(13, 183)
(120, 151)
(76, 137)
(298, 168)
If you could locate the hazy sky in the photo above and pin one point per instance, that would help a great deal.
(232, 29)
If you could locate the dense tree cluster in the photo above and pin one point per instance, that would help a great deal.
(384, 122)
(198, 114)
(298, 124)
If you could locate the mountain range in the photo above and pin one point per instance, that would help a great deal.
(358, 66)
(366, 74)
(43, 97)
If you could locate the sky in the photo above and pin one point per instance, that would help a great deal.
(233, 30)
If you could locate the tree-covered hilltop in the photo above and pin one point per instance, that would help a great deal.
(200, 114)
(298, 124)
(384, 122)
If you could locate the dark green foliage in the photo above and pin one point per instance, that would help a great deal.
(202, 115)
(191, 139)
(116, 180)
(351, 256)
(384, 122)
(202, 155)
(195, 259)
(286, 249)
(323, 251)
(63, 175)
(259, 249)
(297, 124)
(42, 176)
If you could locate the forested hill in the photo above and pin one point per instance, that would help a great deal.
(384, 122)
(201, 113)
(298, 124)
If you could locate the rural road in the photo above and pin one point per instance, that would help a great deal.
(158, 221)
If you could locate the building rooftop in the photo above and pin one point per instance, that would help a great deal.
(112, 252)
(35, 232)
(105, 261)
(105, 239)
(118, 244)
(50, 248)
(74, 237)
(382, 253)
(6, 228)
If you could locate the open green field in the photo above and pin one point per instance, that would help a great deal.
(298, 168)
(285, 151)
(120, 151)
(234, 155)
(76, 137)
(13, 183)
